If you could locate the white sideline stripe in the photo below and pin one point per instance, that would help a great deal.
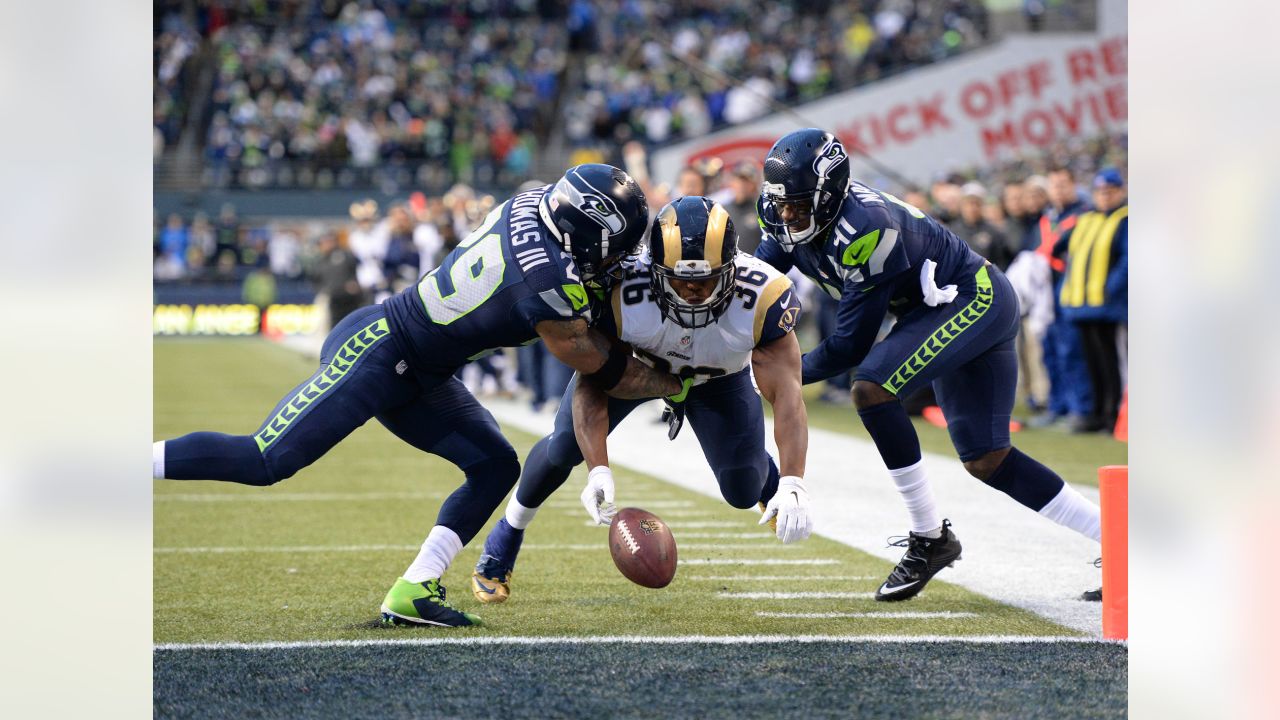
(534, 546)
(642, 504)
(764, 561)
(286, 549)
(796, 595)
(292, 497)
(680, 525)
(728, 536)
(641, 640)
(776, 578)
(905, 615)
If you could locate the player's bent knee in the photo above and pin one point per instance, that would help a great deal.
(985, 466)
(741, 486)
(868, 394)
(562, 450)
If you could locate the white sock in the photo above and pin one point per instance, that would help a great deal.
(918, 495)
(437, 552)
(519, 516)
(1071, 509)
(157, 460)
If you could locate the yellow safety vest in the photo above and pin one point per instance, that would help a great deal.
(1089, 258)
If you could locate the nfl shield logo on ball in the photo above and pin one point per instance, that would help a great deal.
(649, 527)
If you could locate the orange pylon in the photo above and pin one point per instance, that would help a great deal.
(1122, 419)
(1113, 491)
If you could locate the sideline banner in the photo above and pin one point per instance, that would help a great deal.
(235, 320)
(990, 105)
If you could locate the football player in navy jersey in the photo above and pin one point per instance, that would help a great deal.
(697, 307)
(956, 320)
(529, 271)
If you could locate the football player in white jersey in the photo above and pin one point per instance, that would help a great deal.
(697, 308)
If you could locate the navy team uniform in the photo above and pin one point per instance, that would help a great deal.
(871, 262)
(395, 362)
(723, 407)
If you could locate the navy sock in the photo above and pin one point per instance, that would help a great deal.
(215, 456)
(503, 543)
(1024, 479)
(894, 435)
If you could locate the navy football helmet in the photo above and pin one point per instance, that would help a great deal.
(598, 214)
(805, 179)
(693, 239)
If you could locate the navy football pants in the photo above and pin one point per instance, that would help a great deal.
(726, 416)
(966, 349)
(361, 376)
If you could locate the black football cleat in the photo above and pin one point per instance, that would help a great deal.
(925, 557)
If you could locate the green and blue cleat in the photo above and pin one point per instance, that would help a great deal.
(409, 603)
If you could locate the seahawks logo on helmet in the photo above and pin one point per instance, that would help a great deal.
(831, 155)
(597, 207)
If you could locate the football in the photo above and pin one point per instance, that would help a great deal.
(643, 548)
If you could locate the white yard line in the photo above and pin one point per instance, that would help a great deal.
(904, 615)
(285, 549)
(728, 536)
(762, 561)
(637, 640)
(821, 595)
(294, 497)
(1010, 553)
(777, 578)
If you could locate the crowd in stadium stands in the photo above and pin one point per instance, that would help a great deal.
(395, 94)
(375, 94)
(657, 71)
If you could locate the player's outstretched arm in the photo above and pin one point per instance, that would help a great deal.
(777, 369)
(776, 366)
(607, 365)
(591, 428)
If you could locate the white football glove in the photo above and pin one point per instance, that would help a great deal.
(791, 505)
(597, 496)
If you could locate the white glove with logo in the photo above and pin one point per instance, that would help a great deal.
(791, 505)
(597, 496)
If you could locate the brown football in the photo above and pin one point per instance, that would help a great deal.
(643, 548)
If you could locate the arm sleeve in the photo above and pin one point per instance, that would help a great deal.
(771, 252)
(780, 317)
(858, 319)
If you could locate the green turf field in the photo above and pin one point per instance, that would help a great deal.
(310, 559)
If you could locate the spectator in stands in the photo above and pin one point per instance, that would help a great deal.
(259, 288)
(335, 277)
(426, 235)
(401, 263)
(283, 250)
(984, 238)
(173, 247)
(744, 184)
(690, 182)
(368, 242)
(1095, 292)
(1070, 393)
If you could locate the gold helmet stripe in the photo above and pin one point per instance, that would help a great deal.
(714, 246)
(671, 253)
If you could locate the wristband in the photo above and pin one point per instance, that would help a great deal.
(614, 367)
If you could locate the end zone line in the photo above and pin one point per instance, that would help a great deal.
(776, 578)
(637, 640)
(761, 561)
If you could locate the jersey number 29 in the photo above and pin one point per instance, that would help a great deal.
(467, 277)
